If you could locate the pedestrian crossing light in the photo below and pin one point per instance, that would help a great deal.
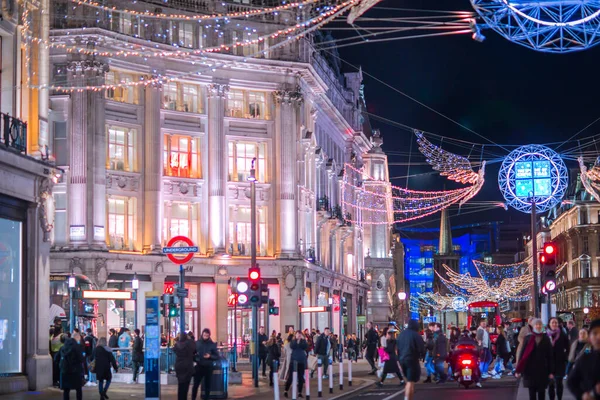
(344, 306)
(272, 309)
(173, 311)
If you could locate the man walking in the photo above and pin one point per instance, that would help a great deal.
(137, 355)
(262, 350)
(483, 340)
(206, 353)
(411, 349)
(322, 348)
(440, 352)
(372, 342)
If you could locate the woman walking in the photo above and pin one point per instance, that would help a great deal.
(391, 365)
(299, 348)
(70, 361)
(536, 361)
(184, 350)
(503, 349)
(273, 354)
(560, 352)
(580, 346)
(103, 358)
(287, 358)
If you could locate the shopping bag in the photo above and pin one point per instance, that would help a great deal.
(383, 355)
(312, 362)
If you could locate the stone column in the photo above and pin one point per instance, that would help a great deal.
(286, 114)
(217, 168)
(78, 139)
(153, 164)
(38, 364)
(222, 308)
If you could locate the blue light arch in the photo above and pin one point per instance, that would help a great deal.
(552, 26)
(533, 172)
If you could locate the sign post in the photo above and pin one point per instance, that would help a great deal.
(152, 345)
(189, 251)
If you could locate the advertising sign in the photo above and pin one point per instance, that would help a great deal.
(152, 345)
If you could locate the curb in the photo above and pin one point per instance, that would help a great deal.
(363, 386)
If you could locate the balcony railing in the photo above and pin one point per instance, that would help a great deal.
(14, 133)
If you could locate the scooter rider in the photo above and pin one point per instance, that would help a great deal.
(467, 345)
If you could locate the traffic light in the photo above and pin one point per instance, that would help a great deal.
(548, 266)
(255, 287)
(264, 294)
(272, 309)
(344, 306)
(173, 311)
(242, 291)
(165, 300)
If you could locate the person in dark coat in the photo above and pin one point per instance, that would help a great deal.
(502, 347)
(584, 377)
(390, 366)
(104, 358)
(70, 361)
(273, 354)
(299, 347)
(411, 348)
(184, 350)
(137, 355)
(536, 361)
(440, 352)
(371, 343)
(113, 341)
(560, 351)
(262, 349)
(206, 354)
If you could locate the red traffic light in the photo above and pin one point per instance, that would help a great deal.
(254, 274)
(542, 258)
(549, 248)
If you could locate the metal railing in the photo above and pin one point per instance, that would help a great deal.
(14, 133)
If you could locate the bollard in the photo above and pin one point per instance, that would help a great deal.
(349, 372)
(275, 380)
(295, 381)
(330, 373)
(341, 374)
(307, 383)
(320, 378)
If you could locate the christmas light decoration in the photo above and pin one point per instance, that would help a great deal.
(373, 205)
(590, 178)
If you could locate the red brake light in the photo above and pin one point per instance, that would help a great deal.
(466, 362)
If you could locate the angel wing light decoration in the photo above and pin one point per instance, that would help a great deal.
(590, 178)
(361, 8)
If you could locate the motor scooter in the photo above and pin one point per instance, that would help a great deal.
(466, 365)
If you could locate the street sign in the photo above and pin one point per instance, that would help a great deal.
(170, 250)
(314, 309)
(183, 292)
(152, 347)
(105, 295)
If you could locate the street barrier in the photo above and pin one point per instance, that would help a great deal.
(307, 383)
(275, 380)
(295, 381)
(320, 378)
(350, 372)
(330, 373)
(341, 374)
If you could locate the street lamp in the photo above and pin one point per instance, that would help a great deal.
(72, 283)
(135, 285)
(402, 298)
(586, 310)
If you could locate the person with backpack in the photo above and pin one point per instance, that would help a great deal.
(89, 345)
(430, 350)
(70, 361)
(102, 359)
(206, 354)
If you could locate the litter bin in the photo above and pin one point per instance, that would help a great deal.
(220, 379)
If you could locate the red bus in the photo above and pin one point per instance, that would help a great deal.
(489, 311)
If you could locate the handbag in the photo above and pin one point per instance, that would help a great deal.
(383, 355)
(312, 362)
(93, 366)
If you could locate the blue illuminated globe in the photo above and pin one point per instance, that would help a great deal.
(533, 172)
(555, 26)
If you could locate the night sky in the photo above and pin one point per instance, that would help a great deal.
(508, 93)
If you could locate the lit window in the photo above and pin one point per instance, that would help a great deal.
(182, 97)
(190, 98)
(121, 143)
(181, 157)
(124, 94)
(60, 219)
(170, 96)
(247, 104)
(240, 232)
(180, 219)
(121, 222)
(240, 161)
(585, 268)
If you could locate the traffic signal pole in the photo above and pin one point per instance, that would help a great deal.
(534, 259)
(181, 300)
(253, 265)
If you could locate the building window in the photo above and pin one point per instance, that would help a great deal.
(583, 216)
(121, 222)
(121, 144)
(247, 104)
(60, 219)
(585, 248)
(186, 34)
(181, 218)
(124, 94)
(574, 247)
(240, 161)
(585, 268)
(182, 97)
(240, 231)
(182, 157)
(61, 147)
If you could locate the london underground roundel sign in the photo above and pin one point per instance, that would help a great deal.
(172, 251)
(533, 173)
